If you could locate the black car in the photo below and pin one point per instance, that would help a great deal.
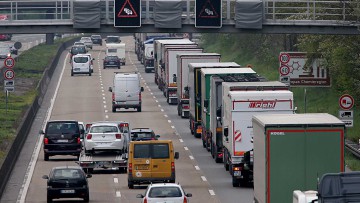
(67, 182)
(141, 134)
(62, 138)
(111, 61)
(96, 39)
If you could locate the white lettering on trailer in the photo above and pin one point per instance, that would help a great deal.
(263, 104)
(277, 133)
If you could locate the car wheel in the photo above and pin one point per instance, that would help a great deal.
(49, 199)
(139, 109)
(46, 157)
(130, 185)
(87, 198)
(118, 67)
(90, 73)
(113, 109)
(235, 182)
(72, 73)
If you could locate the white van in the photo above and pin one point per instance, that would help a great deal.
(117, 50)
(81, 64)
(126, 91)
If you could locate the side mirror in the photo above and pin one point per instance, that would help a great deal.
(88, 176)
(45, 177)
(188, 195)
(142, 89)
(82, 131)
(110, 89)
(186, 88)
(176, 155)
(226, 131)
(139, 196)
(206, 103)
(157, 136)
(41, 132)
(174, 78)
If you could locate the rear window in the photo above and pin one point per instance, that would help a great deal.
(67, 174)
(78, 50)
(104, 129)
(111, 58)
(113, 39)
(162, 192)
(155, 151)
(62, 128)
(81, 59)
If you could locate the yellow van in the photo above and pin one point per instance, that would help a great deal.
(151, 161)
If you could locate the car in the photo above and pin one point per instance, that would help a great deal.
(165, 192)
(96, 39)
(79, 43)
(81, 64)
(67, 182)
(61, 137)
(111, 61)
(87, 41)
(112, 39)
(139, 134)
(104, 136)
(77, 49)
(5, 52)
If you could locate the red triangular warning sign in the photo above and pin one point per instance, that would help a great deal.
(208, 11)
(127, 11)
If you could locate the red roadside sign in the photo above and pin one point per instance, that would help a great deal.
(9, 62)
(346, 102)
(9, 74)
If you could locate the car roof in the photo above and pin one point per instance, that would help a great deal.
(65, 167)
(105, 123)
(165, 184)
(141, 130)
(51, 121)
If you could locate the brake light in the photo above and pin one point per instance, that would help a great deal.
(46, 141)
(145, 200)
(186, 107)
(124, 125)
(185, 200)
(130, 168)
(237, 168)
(113, 96)
(172, 167)
(78, 140)
(89, 136)
(118, 136)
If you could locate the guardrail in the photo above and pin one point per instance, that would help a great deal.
(353, 147)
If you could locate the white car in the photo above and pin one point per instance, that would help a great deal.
(164, 192)
(104, 137)
(87, 41)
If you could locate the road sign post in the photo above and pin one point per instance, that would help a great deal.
(127, 13)
(208, 14)
(346, 102)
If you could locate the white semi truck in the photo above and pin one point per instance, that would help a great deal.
(183, 61)
(238, 109)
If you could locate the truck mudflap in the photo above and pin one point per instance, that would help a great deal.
(183, 108)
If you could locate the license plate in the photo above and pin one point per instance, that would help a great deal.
(111, 62)
(142, 167)
(237, 173)
(76, 69)
(63, 141)
(67, 191)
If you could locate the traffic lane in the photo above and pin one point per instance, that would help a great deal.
(75, 100)
(215, 173)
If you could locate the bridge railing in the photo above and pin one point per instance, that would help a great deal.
(342, 12)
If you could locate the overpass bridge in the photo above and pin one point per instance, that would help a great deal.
(234, 16)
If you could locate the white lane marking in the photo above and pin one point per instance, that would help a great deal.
(103, 98)
(169, 121)
(106, 116)
(147, 87)
(172, 127)
(35, 155)
(212, 193)
(104, 102)
(181, 140)
(102, 87)
(186, 148)
(102, 90)
(166, 115)
(159, 105)
(103, 95)
(203, 178)
(118, 194)
(151, 93)
(154, 97)
(191, 157)
(101, 84)
(156, 101)
(162, 109)
(106, 111)
(105, 106)
(116, 180)
(145, 84)
(197, 168)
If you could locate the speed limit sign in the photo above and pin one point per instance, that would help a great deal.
(284, 58)
(9, 62)
(9, 74)
(284, 70)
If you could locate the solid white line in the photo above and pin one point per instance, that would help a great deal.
(35, 155)
(169, 121)
(197, 168)
(212, 193)
(203, 178)
(192, 158)
(166, 115)
(118, 194)
(116, 180)
(186, 148)
(181, 140)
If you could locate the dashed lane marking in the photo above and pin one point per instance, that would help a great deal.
(181, 140)
(166, 115)
(169, 121)
(212, 193)
(191, 157)
(197, 168)
(172, 127)
(162, 109)
(116, 180)
(186, 148)
(203, 178)
(118, 194)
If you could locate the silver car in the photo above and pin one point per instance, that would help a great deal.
(87, 41)
(104, 137)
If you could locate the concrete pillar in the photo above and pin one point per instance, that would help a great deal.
(50, 38)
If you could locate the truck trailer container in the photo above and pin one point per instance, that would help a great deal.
(183, 61)
(293, 151)
(238, 109)
(236, 83)
(194, 89)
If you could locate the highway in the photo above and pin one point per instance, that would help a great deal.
(86, 98)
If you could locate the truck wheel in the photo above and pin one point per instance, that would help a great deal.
(235, 182)
(113, 109)
(226, 165)
(72, 73)
(130, 184)
(204, 144)
(90, 170)
(46, 157)
(212, 151)
(90, 73)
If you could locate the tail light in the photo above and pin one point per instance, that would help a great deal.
(89, 136)
(237, 168)
(113, 96)
(46, 141)
(185, 200)
(152, 138)
(186, 107)
(123, 125)
(145, 200)
(78, 140)
(118, 136)
(172, 167)
(130, 168)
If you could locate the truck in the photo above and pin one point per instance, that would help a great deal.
(183, 61)
(205, 103)
(293, 151)
(194, 92)
(170, 76)
(149, 43)
(117, 49)
(238, 109)
(236, 83)
(159, 55)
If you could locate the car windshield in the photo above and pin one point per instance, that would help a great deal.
(67, 174)
(162, 192)
(104, 129)
(81, 59)
(78, 50)
(57, 128)
(113, 39)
